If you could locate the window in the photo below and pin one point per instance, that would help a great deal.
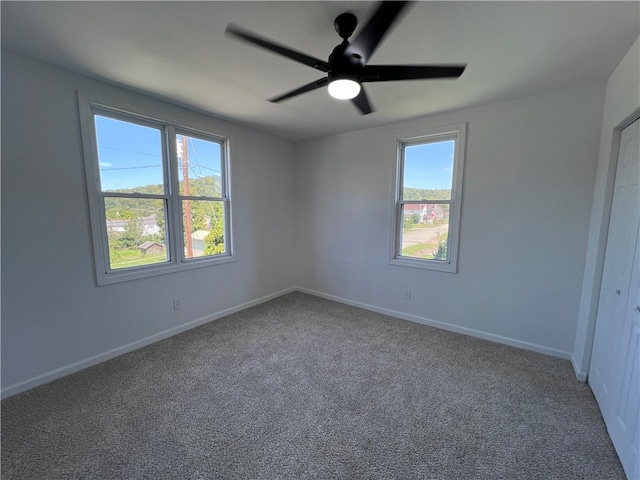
(427, 198)
(158, 192)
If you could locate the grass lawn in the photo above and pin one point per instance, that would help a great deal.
(420, 250)
(424, 250)
(133, 258)
(413, 226)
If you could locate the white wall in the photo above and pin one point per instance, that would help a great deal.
(529, 182)
(529, 178)
(622, 105)
(53, 315)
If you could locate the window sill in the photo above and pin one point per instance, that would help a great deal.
(436, 265)
(104, 278)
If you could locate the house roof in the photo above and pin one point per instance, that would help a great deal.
(148, 244)
(418, 207)
(512, 49)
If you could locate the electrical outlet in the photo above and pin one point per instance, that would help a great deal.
(406, 294)
(177, 303)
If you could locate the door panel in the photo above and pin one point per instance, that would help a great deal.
(614, 375)
(625, 431)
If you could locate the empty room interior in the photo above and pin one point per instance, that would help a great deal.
(329, 239)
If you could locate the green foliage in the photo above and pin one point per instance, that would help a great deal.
(123, 208)
(205, 215)
(427, 194)
(411, 221)
(132, 234)
(407, 223)
(214, 242)
(118, 208)
(440, 252)
(209, 186)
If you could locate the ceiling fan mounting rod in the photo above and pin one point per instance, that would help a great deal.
(345, 24)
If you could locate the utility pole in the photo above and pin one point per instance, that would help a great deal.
(187, 203)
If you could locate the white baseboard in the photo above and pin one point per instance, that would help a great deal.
(102, 357)
(445, 326)
(580, 375)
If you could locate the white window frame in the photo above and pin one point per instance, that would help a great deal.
(170, 126)
(457, 133)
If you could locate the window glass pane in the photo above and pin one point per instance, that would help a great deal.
(130, 156)
(199, 167)
(203, 223)
(428, 171)
(135, 231)
(425, 230)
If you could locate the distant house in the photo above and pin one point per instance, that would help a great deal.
(427, 212)
(198, 242)
(148, 225)
(151, 248)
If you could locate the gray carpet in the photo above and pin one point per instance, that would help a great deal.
(301, 387)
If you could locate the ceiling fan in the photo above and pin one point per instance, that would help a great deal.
(347, 67)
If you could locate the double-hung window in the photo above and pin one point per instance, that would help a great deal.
(158, 192)
(427, 198)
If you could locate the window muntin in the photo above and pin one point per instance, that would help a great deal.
(158, 193)
(427, 203)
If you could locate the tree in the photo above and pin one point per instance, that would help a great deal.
(214, 242)
(440, 252)
(132, 235)
(410, 221)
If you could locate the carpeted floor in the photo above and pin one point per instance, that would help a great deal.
(301, 387)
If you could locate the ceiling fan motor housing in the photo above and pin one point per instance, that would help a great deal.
(344, 63)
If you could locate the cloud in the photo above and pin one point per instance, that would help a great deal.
(106, 164)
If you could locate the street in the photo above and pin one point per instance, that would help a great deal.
(423, 235)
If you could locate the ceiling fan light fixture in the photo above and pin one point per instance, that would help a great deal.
(344, 88)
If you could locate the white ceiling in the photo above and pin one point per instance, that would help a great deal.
(179, 51)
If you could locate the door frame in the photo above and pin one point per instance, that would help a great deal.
(581, 368)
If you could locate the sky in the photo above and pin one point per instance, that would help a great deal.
(130, 155)
(429, 165)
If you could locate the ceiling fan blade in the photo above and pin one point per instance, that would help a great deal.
(304, 89)
(254, 39)
(384, 73)
(362, 102)
(375, 29)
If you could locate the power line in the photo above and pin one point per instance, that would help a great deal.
(130, 151)
(130, 168)
(209, 168)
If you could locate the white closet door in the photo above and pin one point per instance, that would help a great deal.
(614, 375)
